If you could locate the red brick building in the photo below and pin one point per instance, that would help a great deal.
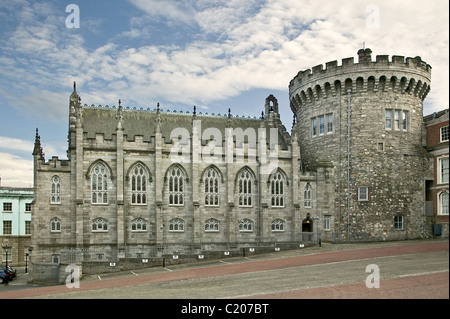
(437, 144)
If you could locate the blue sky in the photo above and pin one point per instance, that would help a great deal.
(215, 54)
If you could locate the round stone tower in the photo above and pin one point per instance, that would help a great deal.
(366, 118)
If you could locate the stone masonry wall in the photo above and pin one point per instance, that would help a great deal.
(391, 163)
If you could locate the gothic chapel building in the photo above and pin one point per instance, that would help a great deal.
(143, 183)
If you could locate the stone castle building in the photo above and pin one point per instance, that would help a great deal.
(142, 183)
(367, 120)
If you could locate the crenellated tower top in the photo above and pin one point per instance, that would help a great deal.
(398, 75)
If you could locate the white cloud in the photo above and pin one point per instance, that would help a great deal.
(239, 45)
(16, 162)
(175, 11)
(16, 144)
(15, 171)
(233, 46)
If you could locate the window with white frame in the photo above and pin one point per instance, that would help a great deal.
(212, 225)
(314, 126)
(245, 225)
(7, 227)
(443, 170)
(7, 207)
(388, 119)
(444, 134)
(404, 120)
(329, 123)
(55, 196)
(27, 207)
(277, 189)
(245, 182)
(398, 222)
(327, 222)
(278, 225)
(100, 225)
(6, 254)
(139, 225)
(443, 203)
(307, 196)
(176, 187)
(363, 193)
(28, 227)
(396, 119)
(55, 225)
(176, 225)
(211, 182)
(139, 185)
(99, 182)
(321, 125)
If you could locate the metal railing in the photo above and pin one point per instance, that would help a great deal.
(114, 253)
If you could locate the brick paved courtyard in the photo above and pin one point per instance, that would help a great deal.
(409, 269)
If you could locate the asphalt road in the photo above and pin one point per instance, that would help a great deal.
(410, 269)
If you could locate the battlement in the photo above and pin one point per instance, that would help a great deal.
(180, 112)
(365, 63)
(54, 164)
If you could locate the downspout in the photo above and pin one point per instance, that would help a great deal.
(339, 164)
(259, 200)
(348, 163)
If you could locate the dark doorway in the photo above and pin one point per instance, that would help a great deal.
(307, 225)
(307, 228)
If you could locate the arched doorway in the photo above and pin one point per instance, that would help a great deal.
(307, 228)
(307, 224)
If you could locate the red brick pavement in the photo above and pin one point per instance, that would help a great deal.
(428, 286)
(245, 267)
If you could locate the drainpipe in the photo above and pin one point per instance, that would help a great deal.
(348, 163)
(259, 200)
(339, 165)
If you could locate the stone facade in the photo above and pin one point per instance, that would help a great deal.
(143, 183)
(367, 119)
(146, 183)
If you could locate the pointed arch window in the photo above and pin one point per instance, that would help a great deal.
(55, 225)
(245, 225)
(278, 225)
(100, 225)
(139, 225)
(99, 183)
(212, 225)
(176, 187)
(245, 183)
(139, 185)
(55, 196)
(211, 182)
(308, 196)
(176, 225)
(277, 189)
